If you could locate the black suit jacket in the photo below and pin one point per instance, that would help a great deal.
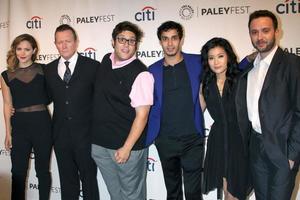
(279, 108)
(72, 102)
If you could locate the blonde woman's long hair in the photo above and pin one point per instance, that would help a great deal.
(12, 60)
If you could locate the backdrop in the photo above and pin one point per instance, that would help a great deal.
(94, 21)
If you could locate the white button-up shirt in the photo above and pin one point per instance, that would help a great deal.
(255, 82)
(62, 67)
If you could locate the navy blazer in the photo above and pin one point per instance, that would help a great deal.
(194, 69)
(279, 108)
(72, 102)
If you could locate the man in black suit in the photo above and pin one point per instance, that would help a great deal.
(70, 83)
(268, 108)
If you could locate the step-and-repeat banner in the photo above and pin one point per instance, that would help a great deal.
(94, 21)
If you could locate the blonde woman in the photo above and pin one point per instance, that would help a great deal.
(23, 88)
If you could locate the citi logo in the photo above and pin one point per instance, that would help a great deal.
(89, 52)
(34, 23)
(288, 7)
(147, 14)
(151, 164)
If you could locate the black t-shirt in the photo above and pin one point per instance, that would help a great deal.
(178, 107)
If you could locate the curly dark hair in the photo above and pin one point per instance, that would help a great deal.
(127, 26)
(232, 65)
(170, 25)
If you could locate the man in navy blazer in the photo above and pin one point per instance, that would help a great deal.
(176, 120)
(70, 82)
(268, 109)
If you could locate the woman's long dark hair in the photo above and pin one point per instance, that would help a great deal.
(232, 64)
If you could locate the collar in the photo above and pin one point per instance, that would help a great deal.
(267, 59)
(73, 59)
(119, 64)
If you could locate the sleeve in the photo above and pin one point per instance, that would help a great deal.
(294, 137)
(141, 93)
(5, 77)
(243, 64)
(47, 87)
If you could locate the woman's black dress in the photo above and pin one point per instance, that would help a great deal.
(225, 155)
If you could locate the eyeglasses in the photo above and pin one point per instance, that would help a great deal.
(122, 40)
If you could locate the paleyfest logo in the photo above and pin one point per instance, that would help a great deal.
(288, 7)
(65, 19)
(186, 12)
(47, 57)
(294, 50)
(150, 54)
(4, 24)
(4, 152)
(35, 186)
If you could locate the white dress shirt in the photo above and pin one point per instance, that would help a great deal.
(255, 81)
(62, 67)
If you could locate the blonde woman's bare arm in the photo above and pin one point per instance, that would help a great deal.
(7, 110)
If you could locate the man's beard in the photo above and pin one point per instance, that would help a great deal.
(268, 47)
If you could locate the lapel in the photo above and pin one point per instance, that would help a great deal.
(241, 93)
(273, 68)
(79, 64)
(241, 105)
(54, 69)
(190, 67)
(158, 72)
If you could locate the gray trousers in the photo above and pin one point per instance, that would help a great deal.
(124, 181)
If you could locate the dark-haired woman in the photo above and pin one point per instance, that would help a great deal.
(225, 165)
(23, 88)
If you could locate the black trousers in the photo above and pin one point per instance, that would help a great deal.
(75, 164)
(31, 130)
(271, 180)
(182, 157)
